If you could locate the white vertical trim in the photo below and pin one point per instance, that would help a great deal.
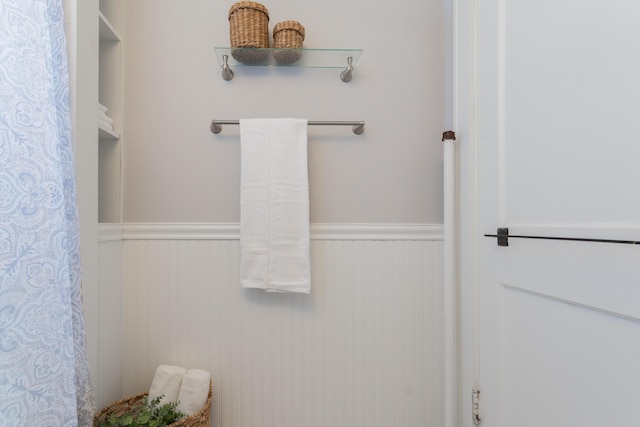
(81, 29)
(450, 297)
(110, 315)
(501, 122)
(466, 125)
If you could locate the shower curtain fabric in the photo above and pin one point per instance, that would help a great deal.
(44, 377)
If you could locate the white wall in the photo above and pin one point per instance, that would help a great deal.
(182, 301)
(177, 171)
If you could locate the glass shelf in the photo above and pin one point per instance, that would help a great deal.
(310, 58)
(276, 57)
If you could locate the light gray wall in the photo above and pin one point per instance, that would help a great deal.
(175, 170)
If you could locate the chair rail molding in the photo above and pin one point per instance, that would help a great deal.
(319, 231)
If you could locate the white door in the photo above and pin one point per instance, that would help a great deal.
(559, 156)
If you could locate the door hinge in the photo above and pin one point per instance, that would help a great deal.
(475, 409)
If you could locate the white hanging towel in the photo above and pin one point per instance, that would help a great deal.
(274, 205)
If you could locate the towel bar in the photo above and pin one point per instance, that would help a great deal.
(358, 126)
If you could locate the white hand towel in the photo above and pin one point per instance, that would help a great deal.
(274, 205)
(194, 391)
(166, 382)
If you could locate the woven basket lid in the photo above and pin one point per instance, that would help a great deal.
(289, 25)
(248, 5)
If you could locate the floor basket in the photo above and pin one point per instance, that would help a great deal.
(249, 28)
(199, 419)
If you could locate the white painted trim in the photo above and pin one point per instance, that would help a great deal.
(465, 123)
(231, 231)
(181, 231)
(450, 293)
(377, 232)
(110, 232)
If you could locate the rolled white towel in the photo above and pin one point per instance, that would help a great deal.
(166, 382)
(194, 391)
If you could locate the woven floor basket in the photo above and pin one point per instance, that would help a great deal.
(199, 419)
(287, 38)
(249, 28)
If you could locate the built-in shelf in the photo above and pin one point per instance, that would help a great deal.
(107, 32)
(107, 134)
(110, 91)
(309, 58)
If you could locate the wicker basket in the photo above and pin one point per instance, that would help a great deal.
(287, 39)
(120, 407)
(249, 28)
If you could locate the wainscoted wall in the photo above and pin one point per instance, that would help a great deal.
(364, 349)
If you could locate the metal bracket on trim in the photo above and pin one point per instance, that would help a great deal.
(448, 135)
(503, 236)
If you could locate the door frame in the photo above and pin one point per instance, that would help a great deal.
(465, 114)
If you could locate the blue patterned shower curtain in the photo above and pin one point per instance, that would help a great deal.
(44, 377)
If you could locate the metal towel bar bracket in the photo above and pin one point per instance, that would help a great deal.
(357, 126)
(346, 75)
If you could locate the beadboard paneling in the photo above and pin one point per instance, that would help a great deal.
(363, 349)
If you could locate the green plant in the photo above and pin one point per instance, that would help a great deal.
(150, 414)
